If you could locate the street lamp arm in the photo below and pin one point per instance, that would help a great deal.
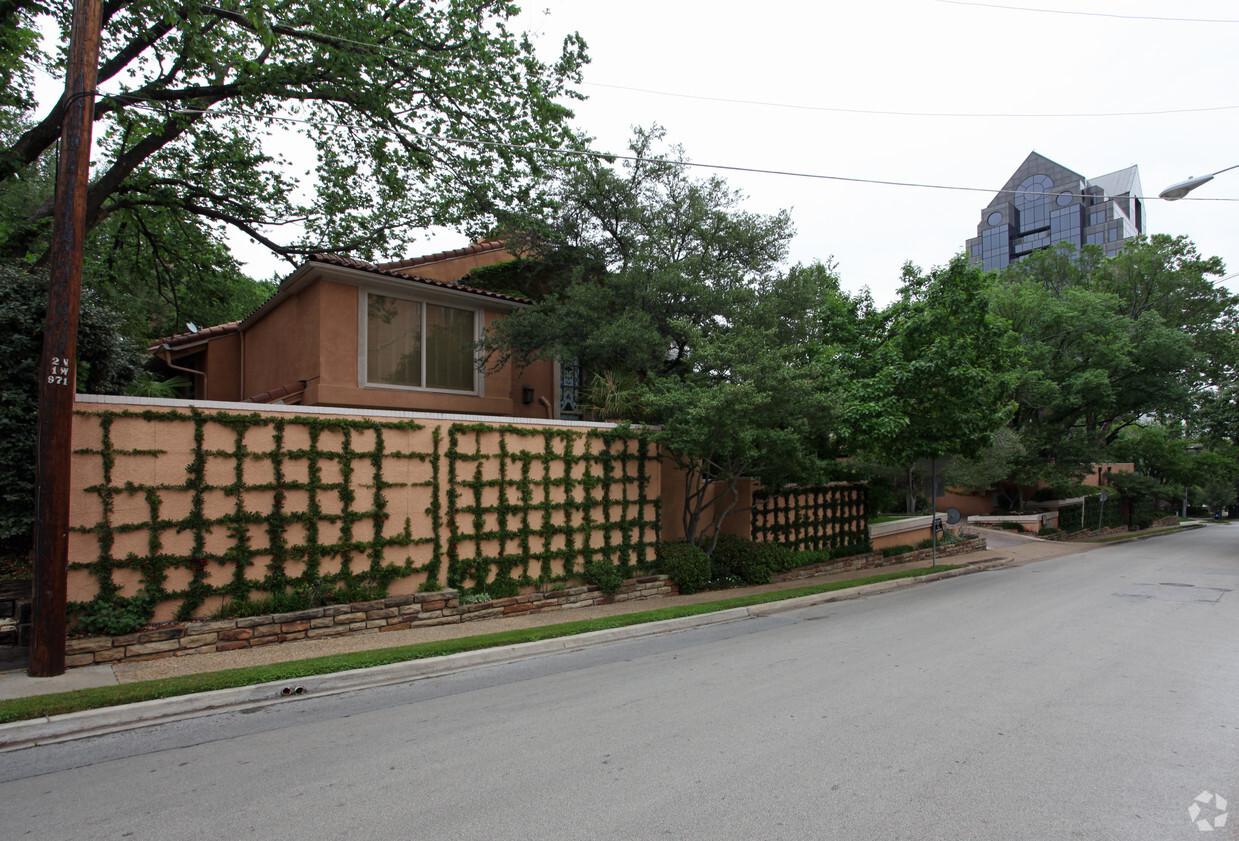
(1177, 191)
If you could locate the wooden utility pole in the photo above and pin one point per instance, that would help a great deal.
(57, 373)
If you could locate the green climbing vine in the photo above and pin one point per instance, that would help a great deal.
(339, 498)
(267, 509)
(809, 518)
(542, 504)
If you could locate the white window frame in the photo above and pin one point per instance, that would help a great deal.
(403, 294)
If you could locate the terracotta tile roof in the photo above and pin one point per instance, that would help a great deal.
(203, 335)
(278, 393)
(475, 248)
(349, 262)
(208, 333)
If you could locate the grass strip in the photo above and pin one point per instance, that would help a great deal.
(38, 706)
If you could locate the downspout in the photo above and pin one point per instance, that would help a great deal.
(167, 357)
(241, 336)
(550, 413)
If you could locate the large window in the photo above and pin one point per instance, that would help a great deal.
(419, 345)
(1032, 200)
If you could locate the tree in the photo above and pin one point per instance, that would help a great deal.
(107, 361)
(669, 293)
(752, 402)
(647, 258)
(1104, 342)
(420, 113)
(1180, 465)
(930, 377)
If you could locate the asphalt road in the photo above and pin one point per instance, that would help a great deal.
(1091, 696)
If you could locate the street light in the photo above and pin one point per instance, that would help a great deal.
(1177, 191)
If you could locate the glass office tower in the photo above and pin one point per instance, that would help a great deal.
(1044, 204)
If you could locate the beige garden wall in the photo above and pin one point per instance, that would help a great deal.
(196, 503)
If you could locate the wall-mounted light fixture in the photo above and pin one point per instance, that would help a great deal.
(527, 394)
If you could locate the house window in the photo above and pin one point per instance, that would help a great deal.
(419, 345)
(570, 391)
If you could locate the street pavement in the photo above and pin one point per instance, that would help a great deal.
(1088, 696)
(1002, 548)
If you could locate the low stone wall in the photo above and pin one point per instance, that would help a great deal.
(875, 560)
(1163, 523)
(1086, 534)
(397, 613)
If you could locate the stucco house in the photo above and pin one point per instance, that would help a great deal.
(346, 333)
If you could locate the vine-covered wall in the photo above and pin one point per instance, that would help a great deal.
(830, 516)
(178, 510)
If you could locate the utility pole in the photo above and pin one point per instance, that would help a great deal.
(57, 372)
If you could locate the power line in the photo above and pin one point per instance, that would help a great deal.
(610, 156)
(908, 113)
(1085, 14)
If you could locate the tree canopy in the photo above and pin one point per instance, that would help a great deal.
(670, 297)
(420, 113)
(411, 114)
(1104, 342)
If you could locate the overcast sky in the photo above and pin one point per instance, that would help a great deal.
(752, 84)
(779, 84)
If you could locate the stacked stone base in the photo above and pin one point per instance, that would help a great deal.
(875, 560)
(397, 613)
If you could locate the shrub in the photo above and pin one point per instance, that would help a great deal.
(851, 549)
(776, 556)
(686, 565)
(503, 588)
(810, 556)
(901, 549)
(604, 575)
(111, 618)
(1049, 530)
(741, 558)
(302, 597)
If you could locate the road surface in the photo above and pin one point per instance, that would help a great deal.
(1093, 696)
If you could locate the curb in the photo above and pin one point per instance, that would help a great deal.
(47, 730)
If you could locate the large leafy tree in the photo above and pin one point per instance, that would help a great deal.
(107, 361)
(1103, 343)
(668, 293)
(419, 113)
(931, 375)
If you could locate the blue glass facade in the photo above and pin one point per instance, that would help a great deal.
(1044, 204)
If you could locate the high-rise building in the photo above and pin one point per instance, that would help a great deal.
(1044, 204)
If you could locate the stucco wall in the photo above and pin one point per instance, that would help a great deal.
(201, 503)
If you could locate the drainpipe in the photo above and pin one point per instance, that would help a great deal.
(167, 357)
(550, 413)
(241, 337)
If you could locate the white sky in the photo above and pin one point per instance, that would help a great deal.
(910, 56)
(918, 56)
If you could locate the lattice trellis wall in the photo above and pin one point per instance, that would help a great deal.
(227, 504)
(186, 509)
(821, 517)
(526, 505)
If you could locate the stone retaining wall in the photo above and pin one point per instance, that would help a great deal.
(875, 560)
(397, 613)
(1163, 523)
